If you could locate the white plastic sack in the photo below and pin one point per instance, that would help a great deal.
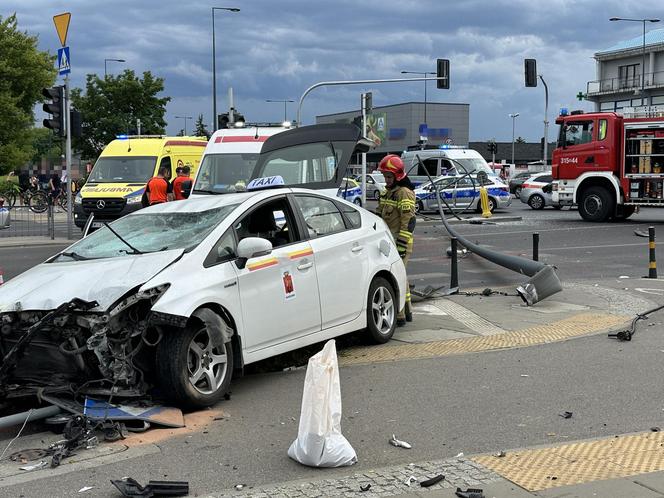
(319, 440)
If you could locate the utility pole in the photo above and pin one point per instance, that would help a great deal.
(67, 120)
(546, 120)
(513, 116)
(138, 126)
(363, 99)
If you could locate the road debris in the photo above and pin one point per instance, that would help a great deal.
(432, 481)
(131, 488)
(239, 486)
(566, 414)
(655, 429)
(365, 487)
(409, 480)
(525, 375)
(399, 444)
(500, 454)
(35, 466)
(460, 455)
(470, 493)
(85, 488)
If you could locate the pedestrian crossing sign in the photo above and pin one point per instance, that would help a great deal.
(64, 66)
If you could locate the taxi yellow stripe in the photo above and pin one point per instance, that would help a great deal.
(300, 254)
(262, 264)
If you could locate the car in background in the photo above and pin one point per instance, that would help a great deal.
(534, 193)
(462, 193)
(375, 185)
(351, 191)
(516, 182)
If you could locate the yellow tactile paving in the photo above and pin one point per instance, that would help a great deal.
(581, 462)
(578, 325)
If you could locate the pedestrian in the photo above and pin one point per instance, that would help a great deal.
(182, 183)
(396, 206)
(158, 189)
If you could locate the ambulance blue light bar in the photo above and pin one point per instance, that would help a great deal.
(122, 137)
(266, 182)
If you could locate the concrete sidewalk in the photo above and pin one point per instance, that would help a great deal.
(33, 241)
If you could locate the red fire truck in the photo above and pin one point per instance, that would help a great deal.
(609, 163)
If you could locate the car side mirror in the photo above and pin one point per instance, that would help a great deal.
(252, 247)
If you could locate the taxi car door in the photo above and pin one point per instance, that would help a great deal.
(341, 258)
(279, 291)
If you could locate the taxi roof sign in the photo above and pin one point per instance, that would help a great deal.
(265, 182)
(61, 22)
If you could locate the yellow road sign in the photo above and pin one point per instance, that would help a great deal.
(61, 22)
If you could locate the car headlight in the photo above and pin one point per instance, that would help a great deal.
(78, 199)
(134, 199)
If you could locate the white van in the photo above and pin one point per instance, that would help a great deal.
(450, 160)
(229, 159)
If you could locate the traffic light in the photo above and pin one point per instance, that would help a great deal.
(530, 69)
(443, 71)
(56, 108)
(368, 102)
(492, 147)
(222, 121)
(75, 123)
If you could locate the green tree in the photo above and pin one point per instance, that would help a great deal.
(24, 71)
(44, 144)
(201, 129)
(111, 106)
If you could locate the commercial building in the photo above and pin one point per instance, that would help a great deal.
(395, 127)
(619, 70)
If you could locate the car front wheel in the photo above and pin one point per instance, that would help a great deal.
(194, 369)
(536, 201)
(357, 201)
(381, 311)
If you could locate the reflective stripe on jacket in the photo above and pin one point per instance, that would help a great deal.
(396, 206)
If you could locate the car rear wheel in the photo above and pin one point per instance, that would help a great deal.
(194, 369)
(381, 311)
(536, 201)
(517, 192)
(376, 195)
(419, 207)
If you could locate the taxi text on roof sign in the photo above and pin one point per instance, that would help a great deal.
(266, 182)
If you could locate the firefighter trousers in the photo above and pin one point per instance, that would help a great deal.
(407, 309)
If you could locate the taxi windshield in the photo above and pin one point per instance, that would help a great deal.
(225, 173)
(148, 232)
(132, 169)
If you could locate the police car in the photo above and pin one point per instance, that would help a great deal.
(462, 192)
(180, 295)
(350, 190)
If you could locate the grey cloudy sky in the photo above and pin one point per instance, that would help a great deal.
(275, 49)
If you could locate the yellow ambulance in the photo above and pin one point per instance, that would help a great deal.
(117, 180)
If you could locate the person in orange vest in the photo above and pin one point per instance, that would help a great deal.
(159, 189)
(182, 183)
(396, 206)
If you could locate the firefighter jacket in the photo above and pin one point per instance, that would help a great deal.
(396, 206)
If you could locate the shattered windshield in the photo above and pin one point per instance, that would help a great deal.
(148, 232)
(225, 173)
(130, 169)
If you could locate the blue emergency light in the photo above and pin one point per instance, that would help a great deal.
(564, 111)
(122, 137)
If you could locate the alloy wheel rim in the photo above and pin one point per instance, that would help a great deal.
(382, 310)
(537, 202)
(206, 366)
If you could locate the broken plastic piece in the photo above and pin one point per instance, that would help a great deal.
(409, 480)
(500, 454)
(460, 455)
(655, 429)
(432, 481)
(365, 487)
(399, 444)
(566, 414)
(129, 487)
(85, 488)
(470, 493)
(39, 465)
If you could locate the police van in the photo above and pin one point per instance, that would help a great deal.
(117, 181)
(444, 160)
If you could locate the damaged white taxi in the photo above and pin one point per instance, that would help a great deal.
(172, 300)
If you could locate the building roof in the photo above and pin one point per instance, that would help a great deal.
(653, 37)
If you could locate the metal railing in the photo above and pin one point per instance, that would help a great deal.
(21, 221)
(652, 80)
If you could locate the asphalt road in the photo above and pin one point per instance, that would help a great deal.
(470, 403)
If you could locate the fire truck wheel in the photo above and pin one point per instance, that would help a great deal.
(624, 212)
(596, 204)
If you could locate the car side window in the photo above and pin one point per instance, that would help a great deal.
(321, 216)
(370, 180)
(272, 220)
(224, 250)
(352, 215)
(545, 179)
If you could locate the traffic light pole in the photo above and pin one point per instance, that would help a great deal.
(364, 154)
(546, 119)
(67, 121)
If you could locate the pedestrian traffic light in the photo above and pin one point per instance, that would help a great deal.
(75, 123)
(443, 71)
(56, 108)
(530, 68)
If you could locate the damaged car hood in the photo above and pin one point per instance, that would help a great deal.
(48, 285)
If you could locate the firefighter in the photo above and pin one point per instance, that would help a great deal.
(396, 206)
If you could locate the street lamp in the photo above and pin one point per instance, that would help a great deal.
(513, 116)
(425, 89)
(285, 103)
(643, 53)
(185, 122)
(111, 60)
(214, 67)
